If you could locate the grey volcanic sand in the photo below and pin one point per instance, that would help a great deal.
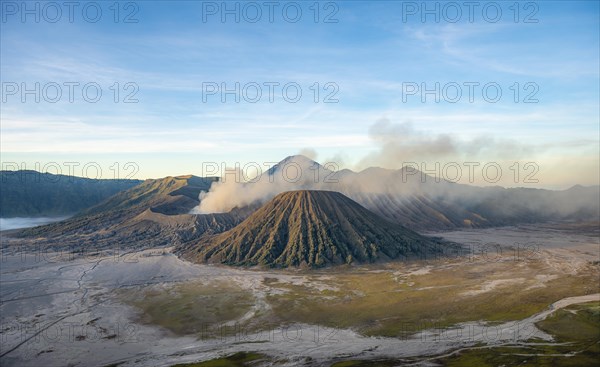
(57, 311)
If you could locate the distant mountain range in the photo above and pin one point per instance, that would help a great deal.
(412, 198)
(311, 229)
(447, 205)
(283, 219)
(34, 194)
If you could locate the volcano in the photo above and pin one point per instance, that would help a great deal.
(311, 228)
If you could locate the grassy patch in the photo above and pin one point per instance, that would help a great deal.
(542, 356)
(388, 304)
(577, 326)
(240, 359)
(366, 363)
(575, 323)
(191, 308)
(383, 300)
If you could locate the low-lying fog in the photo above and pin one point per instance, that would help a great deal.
(25, 222)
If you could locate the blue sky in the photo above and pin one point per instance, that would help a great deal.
(370, 55)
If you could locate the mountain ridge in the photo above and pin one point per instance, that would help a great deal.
(153, 213)
(163, 205)
(310, 228)
(410, 197)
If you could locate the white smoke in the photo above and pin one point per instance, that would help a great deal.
(300, 173)
(397, 143)
(294, 173)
